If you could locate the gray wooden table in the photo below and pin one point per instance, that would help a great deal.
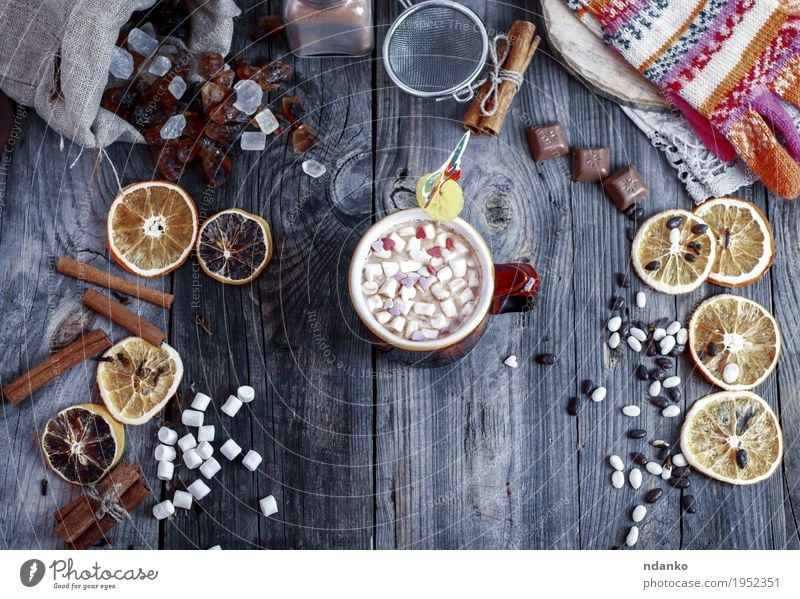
(360, 451)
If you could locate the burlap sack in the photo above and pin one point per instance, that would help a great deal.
(55, 54)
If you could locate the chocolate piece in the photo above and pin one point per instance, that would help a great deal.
(590, 164)
(626, 188)
(547, 141)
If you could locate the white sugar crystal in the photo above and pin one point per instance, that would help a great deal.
(232, 406)
(165, 453)
(205, 449)
(314, 169)
(205, 433)
(210, 468)
(187, 442)
(166, 470)
(246, 393)
(253, 141)
(177, 87)
(248, 96)
(121, 65)
(192, 418)
(251, 460)
(201, 402)
(182, 500)
(192, 459)
(230, 449)
(267, 121)
(268, 506)
(198, 489)
(174, 126)
(141, 42)
(163, 510)
(159, 66)
(167, 436)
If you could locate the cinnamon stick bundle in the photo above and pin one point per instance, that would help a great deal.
(83, 272)
(523, 44)
(116, 312)
(76, 522)
(55, 365)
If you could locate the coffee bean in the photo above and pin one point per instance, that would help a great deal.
(637, 433)
(689, 257)
(681, 471)
(43, 486)
(658, 374)
(651, 350)
(652, 265)
(642, 373)
(572, 406)
(662, 453)
(674, 394)
(674, 222)
(699, 229)
(663, 362)
(587, 386)
(639, 458)
(712, 349)
(677, 350)
(636, 214)
(741, 458)
(659, 402)
(616, 303)
(653, 495)
(680, 483)
(688, 504)
(623, 280)
(546, 359)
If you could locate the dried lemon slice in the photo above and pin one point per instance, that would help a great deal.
(448, 202)
(673, 252)
(745, 244)
(734, 342)
(234, 246)
(136, 379)
(82, 443)
(152, 227)
(733, 436)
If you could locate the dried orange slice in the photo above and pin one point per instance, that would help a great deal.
(735, 342)
(733, 436)
(152, 227)
(745, 244)
(673, 252)
(137, 379)
(234, 246)
(82, 443)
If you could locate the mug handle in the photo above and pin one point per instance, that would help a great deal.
(515, 288)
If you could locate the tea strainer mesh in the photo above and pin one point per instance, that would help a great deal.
(436, 48)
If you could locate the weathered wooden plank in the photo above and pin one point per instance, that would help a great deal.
(478, 455)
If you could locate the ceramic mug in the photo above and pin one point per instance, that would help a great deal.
(504, 288)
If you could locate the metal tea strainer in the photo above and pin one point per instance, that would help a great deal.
(436, 49)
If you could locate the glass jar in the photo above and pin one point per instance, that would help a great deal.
(320, 27)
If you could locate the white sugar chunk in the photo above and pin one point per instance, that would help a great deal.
(121, 65)
(449, 308)
(166, 470)
(201, 402)
(390, 268)
(187, 442)
(268, 505)
(266, 121)
(182, 500)
(314, 169)
(159, 66)
(230, 449)
(205, 449)
(163, 510)
(246, 393)
(232, 406)
(205, 433)
(167, 436)
(142, 43)
(192, 459)
(248, 96)
(198, 489)
(165, 453)
(177, 87)
(445, 274)
(192, 418)
(372, 270)
(252, 460)
(210, 468)
(173, 127)
(253, 141)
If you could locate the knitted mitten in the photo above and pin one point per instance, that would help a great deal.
(725, 64)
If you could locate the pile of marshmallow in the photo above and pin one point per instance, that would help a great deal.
(198, 453)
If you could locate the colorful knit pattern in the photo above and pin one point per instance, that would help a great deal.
(724, 63)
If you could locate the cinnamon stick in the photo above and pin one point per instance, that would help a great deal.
(83, 272)
(523, 45)
(116, 312)
(55, 365)
(130, 500)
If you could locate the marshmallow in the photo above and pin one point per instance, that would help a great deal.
(383, 317)
(198, 489)
(230, 449)
(399, 242)
(205, 433)
(205, 449)
(192, 459)
(252, 460)
(268, 505)
(163, 510)
(165, 453)
(390, 269)
(210, 468)
(214, 548)
(232, 406)
(166, 470)
(449, 308)
(182, 499)
(246, 394)
(459, 266)
(192, 418)
(187, 442)
(390, 288)
(444, 274)
(398, 324)
(167, 436)
(201, 401)
(372, 270)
